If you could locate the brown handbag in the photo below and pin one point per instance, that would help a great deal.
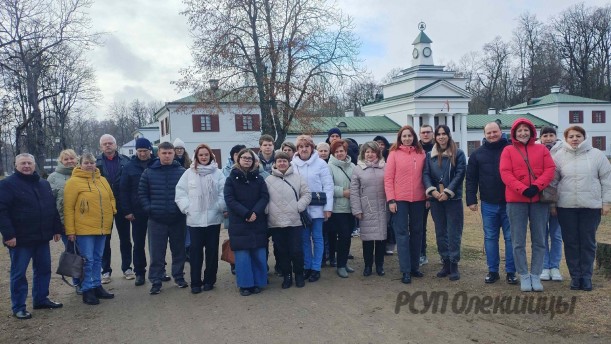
(226, 252)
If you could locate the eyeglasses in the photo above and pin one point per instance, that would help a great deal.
(246, 158)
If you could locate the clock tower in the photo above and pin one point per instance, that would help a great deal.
(422, 53)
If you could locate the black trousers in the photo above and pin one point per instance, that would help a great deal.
(368, 252)
(579, 227)
(125, 245)
(426, 216)
(340, 237)
(139, 227)
(204, 241)
(288, 240)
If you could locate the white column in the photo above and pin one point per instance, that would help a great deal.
(449, 121)
(416, 125)
(431, 120)
(463, 132)
(410, 120)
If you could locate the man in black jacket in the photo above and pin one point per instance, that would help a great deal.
(28, 221)
(156, 191)
(427, 142)
(483, 174)
(111, 164)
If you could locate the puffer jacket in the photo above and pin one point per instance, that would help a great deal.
(130, 179)
(246, 193)
(283, 208)
(515, 172)
(316, 172)
(228, 166)
(199, 195)
(367, 197)
(27, 210)
(451, 177)
(157, 190)
(341, 171)
(89, 204)
(483, 174)
(58, 180)
(403, 175)
(583, 177)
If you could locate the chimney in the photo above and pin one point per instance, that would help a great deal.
(214, 84)
(491, 111)
(555, 89)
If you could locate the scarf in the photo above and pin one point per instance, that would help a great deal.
(207, 184)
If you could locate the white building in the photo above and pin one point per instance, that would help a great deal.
(564, 110)
(150, 131)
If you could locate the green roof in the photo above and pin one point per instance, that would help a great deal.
(422, 38)
(321, 125)
(475, 121)
(556, 98)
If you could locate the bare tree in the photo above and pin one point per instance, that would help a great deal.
(273, 50)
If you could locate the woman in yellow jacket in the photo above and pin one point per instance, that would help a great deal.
(89, 206)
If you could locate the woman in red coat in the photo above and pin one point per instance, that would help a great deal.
(526, 169)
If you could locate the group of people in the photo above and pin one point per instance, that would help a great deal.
(309, 199)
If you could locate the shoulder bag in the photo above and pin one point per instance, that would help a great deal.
(70, 264)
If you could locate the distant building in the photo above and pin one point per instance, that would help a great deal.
(150, 132)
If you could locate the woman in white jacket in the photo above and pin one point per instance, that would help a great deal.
(199, 195)
(583, 178)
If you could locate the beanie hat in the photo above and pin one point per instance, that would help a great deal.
(179, 143)
(142, 142)
(334, 131)
(547, 130)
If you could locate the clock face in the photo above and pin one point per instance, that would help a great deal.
(415, 53)
(426, 52)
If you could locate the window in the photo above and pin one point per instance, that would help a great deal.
(247, 123)
(217, 156)
(575, 116)
(598, 117)
(599, 142)
(472, 146)
(205, 123)
(163, 127)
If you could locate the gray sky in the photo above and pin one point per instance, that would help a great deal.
(148, 41)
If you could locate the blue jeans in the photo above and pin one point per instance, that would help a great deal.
(521, 215)
(449, 221)
(408, 227)
(494, 216)
(92, 249)
(251, 267)
(40, 254)
(313, 245)
(553, 244)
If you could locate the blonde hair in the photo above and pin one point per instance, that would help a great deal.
(305, 140)
(65, 153)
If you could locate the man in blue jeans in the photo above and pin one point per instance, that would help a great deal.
(483, 174)
(28, 221)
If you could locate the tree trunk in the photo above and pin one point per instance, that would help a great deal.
(603, 259)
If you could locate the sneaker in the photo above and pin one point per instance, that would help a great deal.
(356, 233)
(181, 283)
(129, 274)
(389, 252)
(545, 275)
(423, 260)
(526, 283)
(556, 276)
(535, 281)
(106, 278)
(78, 289)
(155, 289)
(166, 278)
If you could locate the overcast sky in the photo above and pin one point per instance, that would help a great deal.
(148, 41)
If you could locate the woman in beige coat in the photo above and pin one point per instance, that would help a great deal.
(368, 203)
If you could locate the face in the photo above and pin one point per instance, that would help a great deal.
(304, 151)
(288, 150)
(340, 153)
(235, 157)
(370, 155)
(68, 160)
(166, 156)
(88, 165)
(282, 165)
(203, 156)
(245, 161)
(442, 137)
(574, 138)
(267, 147)
(108, 146)
(323, 152)
(334, 137)
(426, 134)
(179, 150)
(381, 144)
(548, 138)
(523, 133)
(25, 165)
(407, 139)
(143, 154)
(492, 132)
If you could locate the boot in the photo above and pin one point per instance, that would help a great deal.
(100, 293)
(454, 274)
(299, 281)
(288, 281)
(445, 270)
(89, 297)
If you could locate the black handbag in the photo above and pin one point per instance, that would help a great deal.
(306, 219)
(70, 264)
(319, 198)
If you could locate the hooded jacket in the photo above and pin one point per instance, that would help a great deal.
(89, 204)
(58, 180)
(483, 174)
(403, 175)
(451, 176)
(316, 172)
(341, 171)
(514, 170)
(283, 208)
(367, 197)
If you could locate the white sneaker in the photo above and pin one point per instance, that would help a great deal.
(545, 276)
(423, 260)
(106, 278)
(556, 276)
(129, 274)
(356, 232)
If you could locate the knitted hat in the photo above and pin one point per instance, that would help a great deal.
(142, 142)
(334, 131)
(179, 143)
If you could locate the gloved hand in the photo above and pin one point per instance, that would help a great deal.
(531, 191)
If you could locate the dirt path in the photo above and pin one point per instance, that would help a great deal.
(333, 310)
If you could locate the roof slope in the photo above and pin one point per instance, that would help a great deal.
(476, 121)
(321, 125)
(556, 98)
